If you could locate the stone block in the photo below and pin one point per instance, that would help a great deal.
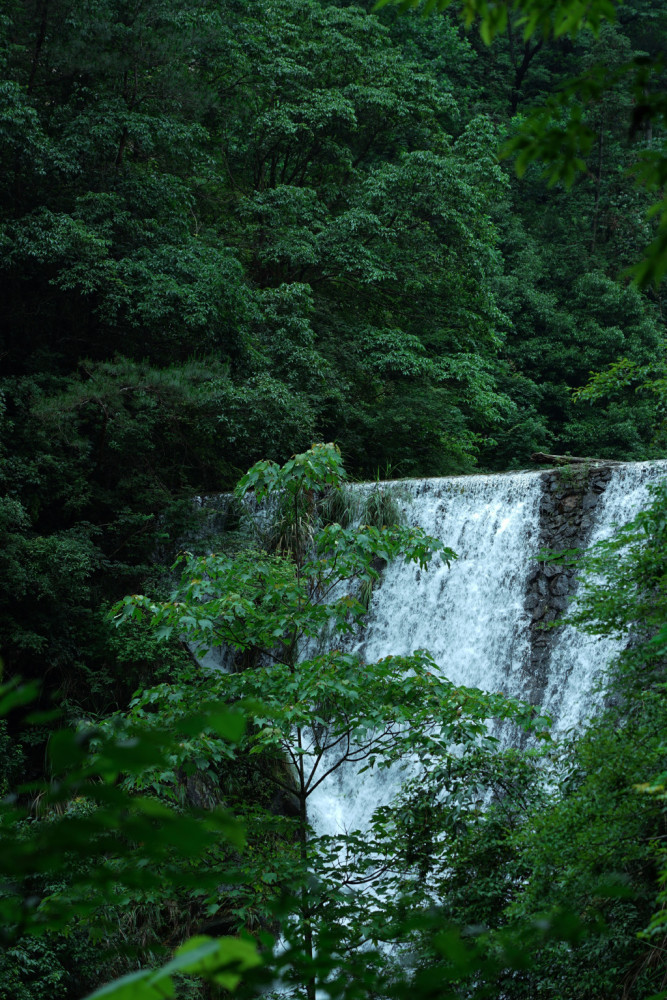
(560, 585)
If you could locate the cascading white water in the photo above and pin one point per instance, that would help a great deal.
(578, 660)
(471, 617)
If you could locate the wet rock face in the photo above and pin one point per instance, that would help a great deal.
(569, 498)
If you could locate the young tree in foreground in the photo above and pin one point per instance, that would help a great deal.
(313, 713)
(559, 875)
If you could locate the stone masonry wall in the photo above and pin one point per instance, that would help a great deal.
(569, 498)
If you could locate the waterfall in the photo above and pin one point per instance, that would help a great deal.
(473, 617)
(485, 618)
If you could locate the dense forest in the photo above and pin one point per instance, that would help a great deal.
(229, 230)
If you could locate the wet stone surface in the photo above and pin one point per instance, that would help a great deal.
(569, 499)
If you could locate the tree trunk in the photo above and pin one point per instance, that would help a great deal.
(598, 184)
(306, 913)
(41, 35)
(520, 68)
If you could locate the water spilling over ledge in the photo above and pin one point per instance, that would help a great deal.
(486, 619)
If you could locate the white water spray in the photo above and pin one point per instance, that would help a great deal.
(578, 660)
(471, 617)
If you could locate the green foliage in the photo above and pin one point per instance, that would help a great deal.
(12, 759)
(560, 134)
(609, 320)
(221, 962)
(551, 858)
(320, 712)
(86, 839)
(225, 232)
(625, 587)
(189, 217)
(596, 117)
(94, 481)
(380, 507)
(272, 601)
(228, 230)
(557, 17)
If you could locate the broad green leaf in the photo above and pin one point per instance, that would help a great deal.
(218, 959)
(136, 986)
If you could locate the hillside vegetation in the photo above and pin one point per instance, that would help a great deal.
(229, 230)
